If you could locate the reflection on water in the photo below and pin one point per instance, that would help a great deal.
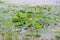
(33, 2)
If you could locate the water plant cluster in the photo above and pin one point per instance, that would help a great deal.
(27, 17)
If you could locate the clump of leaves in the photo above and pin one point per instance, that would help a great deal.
(28, 16)
(37, 16)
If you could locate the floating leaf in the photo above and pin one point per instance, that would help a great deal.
(37, 25)
(17, 23)
(15, 19)
(8, 25)
(29, 21)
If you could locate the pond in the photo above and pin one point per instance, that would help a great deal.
(18, 22)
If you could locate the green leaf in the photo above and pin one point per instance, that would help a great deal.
(17, 14)
(17, 23)
(23, 11)
(49, 8)
(29, 21)
(15, 20)
(37, 25)
(37, 16)
(8, 25)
